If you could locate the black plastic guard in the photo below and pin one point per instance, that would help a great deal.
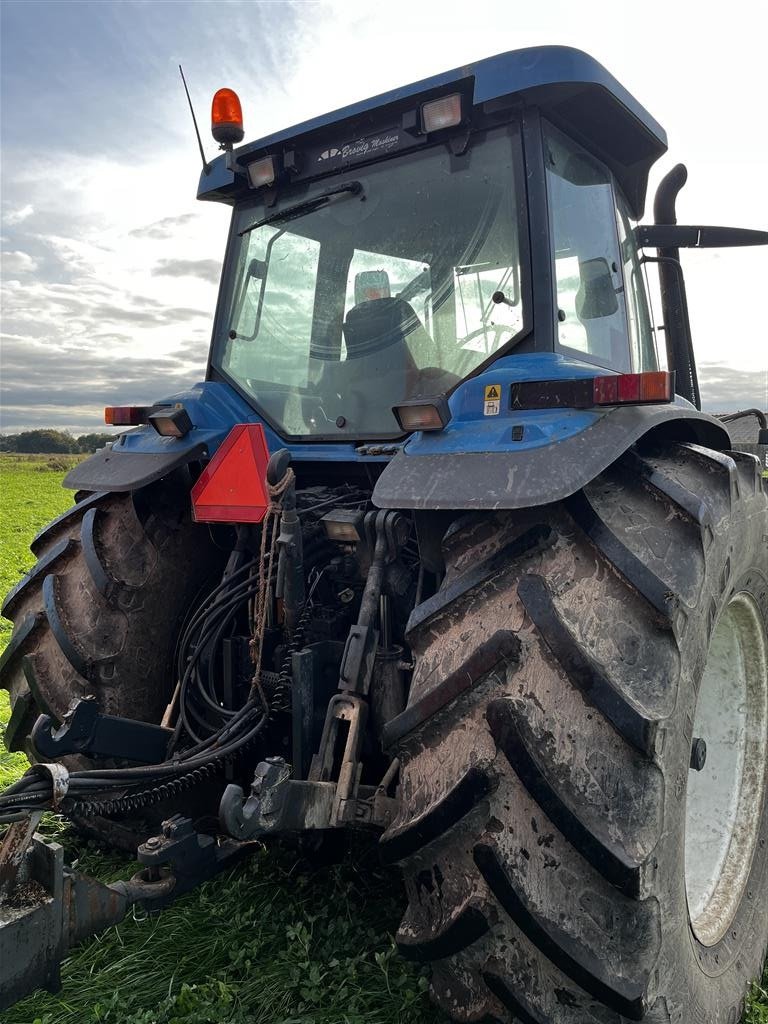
(537, 476)
(112, 470)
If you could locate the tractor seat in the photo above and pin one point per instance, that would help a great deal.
(379, 324)
(380, 337)
(390, 329)
(377, 361)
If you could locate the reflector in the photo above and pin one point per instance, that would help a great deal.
(233, 486)
(605, 390)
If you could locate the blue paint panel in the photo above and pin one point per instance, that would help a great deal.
(214, 409)
(494, 434)
(470, 430)
(512, 72)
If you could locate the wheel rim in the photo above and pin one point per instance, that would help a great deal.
(725, 798)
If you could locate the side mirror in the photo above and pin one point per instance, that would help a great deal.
(257, 268)
(596, 296)
(680, 236)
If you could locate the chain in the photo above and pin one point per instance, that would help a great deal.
(270, 531)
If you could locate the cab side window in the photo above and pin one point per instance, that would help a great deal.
(592, 315)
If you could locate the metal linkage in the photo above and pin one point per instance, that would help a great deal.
(290, 544)
(83, 730)
(332, 796)
(386, 533)
(46, 908)
(278, 804)
(347, 714)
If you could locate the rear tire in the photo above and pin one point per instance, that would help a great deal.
(100, 614)
(543, 812)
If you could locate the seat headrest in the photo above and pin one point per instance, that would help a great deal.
(377, 324)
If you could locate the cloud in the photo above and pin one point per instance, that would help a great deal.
(166, 228)
(17, 216)
(120, 296)
(208, 270)
(17, 262)
(145, 312)
(68, 386)
(727, 389)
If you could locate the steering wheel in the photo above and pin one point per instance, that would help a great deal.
(498, 331)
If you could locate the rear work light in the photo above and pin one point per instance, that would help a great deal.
(168, 420)
(616, 389)
(442, 113)
(422, 414)
(262, 172)
(172, 421)
(344, 526)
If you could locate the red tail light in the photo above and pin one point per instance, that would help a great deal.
(127, 415)
(587, 392)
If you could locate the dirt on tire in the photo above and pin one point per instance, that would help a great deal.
(100, 613)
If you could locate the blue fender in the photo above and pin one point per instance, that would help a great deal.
(527, 478)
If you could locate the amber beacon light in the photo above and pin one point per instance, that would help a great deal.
(226, 118)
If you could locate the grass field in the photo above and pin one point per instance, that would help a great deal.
(276, 941)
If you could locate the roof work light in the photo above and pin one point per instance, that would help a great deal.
(227, 118)
(442, 113)
(262, 172)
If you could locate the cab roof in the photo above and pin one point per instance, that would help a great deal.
(571, 89)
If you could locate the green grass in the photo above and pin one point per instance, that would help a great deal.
(276, 941)
(30, 496)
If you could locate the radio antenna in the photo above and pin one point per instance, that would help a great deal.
(206, 166)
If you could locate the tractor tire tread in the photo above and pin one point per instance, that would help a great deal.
(533, 806)
(82, 628)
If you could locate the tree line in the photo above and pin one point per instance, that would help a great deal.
(52, 442)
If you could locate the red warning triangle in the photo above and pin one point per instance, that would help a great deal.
(233, 486)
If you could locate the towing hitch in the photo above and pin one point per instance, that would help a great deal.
(46, 907)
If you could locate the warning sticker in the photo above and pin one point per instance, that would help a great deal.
(492, 403)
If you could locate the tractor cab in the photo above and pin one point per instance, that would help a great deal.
(391, 251)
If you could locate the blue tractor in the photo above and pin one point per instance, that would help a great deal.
(441, 550)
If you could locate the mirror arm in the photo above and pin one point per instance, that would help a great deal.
(681, 236)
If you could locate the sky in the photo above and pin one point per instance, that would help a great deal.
(109, 264)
